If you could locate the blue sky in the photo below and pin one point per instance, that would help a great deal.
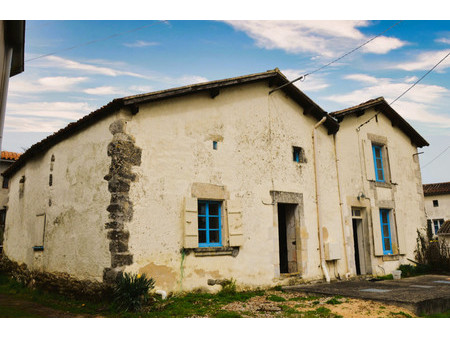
(151, 55)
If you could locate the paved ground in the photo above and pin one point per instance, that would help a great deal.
(422, 294)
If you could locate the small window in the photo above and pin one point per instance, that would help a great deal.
(209, 224)
(435, 203)
(215, 145)
(386, 231)
(356, 212)
(378, 162)
(298, 155)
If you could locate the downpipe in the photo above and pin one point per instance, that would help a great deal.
(316, 182)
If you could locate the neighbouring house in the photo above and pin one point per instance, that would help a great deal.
(444, 232)
(437, 204)
(12, 41)
(6, 159)
(219, 180)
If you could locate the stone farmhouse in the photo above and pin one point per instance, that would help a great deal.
(437, 207)
(220, 180)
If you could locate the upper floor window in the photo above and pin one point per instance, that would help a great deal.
(378, 163)
(435, 203)
(209, 224)
(386, 231)
(298, 155)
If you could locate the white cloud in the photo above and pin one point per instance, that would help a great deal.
(426, 61)
(383, 45)
(186, 80)
(57, 110)
(142, 89)
(327, 38)
(140, 43)
(416, 105)
(21, 85)
(56, 61)
(362, 78)
(104, 90)
(30, 125)
(443, 40)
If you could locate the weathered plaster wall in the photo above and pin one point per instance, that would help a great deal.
(75, 239)
(404, 195)
(255, 135)
(440, 212)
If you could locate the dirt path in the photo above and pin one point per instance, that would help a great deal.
(12, 307)
(271, 304)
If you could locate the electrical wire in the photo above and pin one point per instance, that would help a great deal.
(97, 40)
(423, 76)
(436, 157)
(302, 77)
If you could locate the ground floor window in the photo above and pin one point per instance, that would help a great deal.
(437, 223)
(386, 231)
(209, 224)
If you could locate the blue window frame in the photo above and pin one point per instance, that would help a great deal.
(378, 162)
(437, 223)
(209, 224)
(386, 231)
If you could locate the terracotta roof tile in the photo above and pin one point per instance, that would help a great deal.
(436, 188)
(8, 155)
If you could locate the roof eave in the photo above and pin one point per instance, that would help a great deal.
(15, 38)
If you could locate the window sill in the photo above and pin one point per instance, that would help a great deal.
(387, 258)
(215, 251)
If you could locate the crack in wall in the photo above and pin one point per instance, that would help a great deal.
(124, 155)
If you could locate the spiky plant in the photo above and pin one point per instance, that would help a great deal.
(131, 291)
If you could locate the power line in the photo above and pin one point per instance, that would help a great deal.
(95, 41)
(437, 64)
(335, 60)
(436, 157)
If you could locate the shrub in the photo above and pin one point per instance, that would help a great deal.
(433, 254)
(131, 291)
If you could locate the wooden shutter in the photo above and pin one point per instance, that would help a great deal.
(376, 229)
(235, 223)
(368, 157)
(400, 234)
(191, 223)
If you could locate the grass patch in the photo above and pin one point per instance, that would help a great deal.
(400, 313)
(445, 314)
(386, 277)
(320, 312)
(335, 300)
(275, 298)
(304, 298)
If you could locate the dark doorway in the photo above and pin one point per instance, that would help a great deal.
(356, 227)
(287, 238)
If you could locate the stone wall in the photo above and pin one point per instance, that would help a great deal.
(61, 283)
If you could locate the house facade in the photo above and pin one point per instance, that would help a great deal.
(437, 204)
(214, 181)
